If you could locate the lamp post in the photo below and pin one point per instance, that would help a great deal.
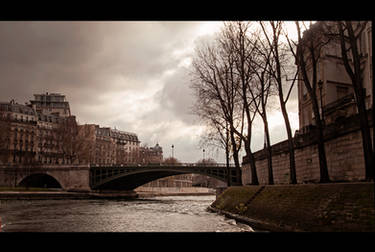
(203, 155)
(172, 151)
(320, 85)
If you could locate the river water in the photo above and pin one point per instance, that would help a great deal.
(158, 214)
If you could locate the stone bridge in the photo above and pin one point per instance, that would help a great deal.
(128, 177)
(99, 177)
(67, 177)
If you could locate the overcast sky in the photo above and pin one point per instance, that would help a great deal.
(131, 75)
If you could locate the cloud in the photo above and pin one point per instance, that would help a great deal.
(128, 75)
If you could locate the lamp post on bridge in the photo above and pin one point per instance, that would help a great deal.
(172, 151)
(203, 156)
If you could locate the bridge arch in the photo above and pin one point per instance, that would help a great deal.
(114, 179)
(41, 180)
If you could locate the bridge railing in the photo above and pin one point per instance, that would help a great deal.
(165, 164)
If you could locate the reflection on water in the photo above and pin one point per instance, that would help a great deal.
(159, 214)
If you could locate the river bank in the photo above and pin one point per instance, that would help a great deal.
(334, 207)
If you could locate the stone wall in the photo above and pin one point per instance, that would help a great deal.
(344, 151)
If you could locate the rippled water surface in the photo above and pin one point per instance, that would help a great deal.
(159, 214)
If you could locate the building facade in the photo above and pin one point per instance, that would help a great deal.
(51, 104)
(30, 137)
(335, 93)
(149, 155)
(106, 146)
(18, 133)
(45, 132)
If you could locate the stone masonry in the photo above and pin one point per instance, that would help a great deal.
(70, 177)
(344, 151)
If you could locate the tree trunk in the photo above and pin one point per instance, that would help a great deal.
(366, 136)
(357, 83)
(268, 150)
(250, 155)
(227, 141)
(324, 177)
(236, 158)
(292, 162)
(360, 100)
(227, 164)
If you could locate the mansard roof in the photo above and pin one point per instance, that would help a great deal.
(17, 108)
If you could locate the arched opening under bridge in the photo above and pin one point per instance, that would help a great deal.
(40, 180)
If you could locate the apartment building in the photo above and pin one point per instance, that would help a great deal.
(51, 104)
(18, 133)
(151, 155)
(107, 146)
(29, 137)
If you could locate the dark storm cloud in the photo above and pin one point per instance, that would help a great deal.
(112, 73)
(81, 59)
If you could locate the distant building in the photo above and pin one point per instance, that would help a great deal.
(18, 133)
(184, 180)
(127, 148)
(45, 132)
(151, 154)
(29, 137)
(108, 146)
(51, 104)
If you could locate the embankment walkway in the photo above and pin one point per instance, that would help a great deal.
(337, 207)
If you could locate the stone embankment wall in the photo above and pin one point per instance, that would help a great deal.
(344, 151)
(338, 207)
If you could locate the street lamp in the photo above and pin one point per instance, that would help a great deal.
(320, 85)
(172, 151)
(203, 155)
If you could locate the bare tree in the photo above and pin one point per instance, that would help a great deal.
(238, 41)
(171, 160)
(307, 55)
(260, 90)
(216, 89)
(348, 34)
(218, 137)
(66, 134)
(84, 145)
(277, 70)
